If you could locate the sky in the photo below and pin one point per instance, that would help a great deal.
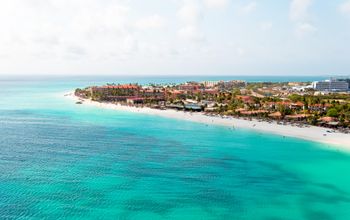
(175, 37)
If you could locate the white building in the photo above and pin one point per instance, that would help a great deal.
(330, 85)
(301, 88)
(210, 84)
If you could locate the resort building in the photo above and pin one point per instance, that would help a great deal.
(193, 107)
(155, 94)
(330, 85)
(190, 87)
(116, 90)
(229, 85)
(134, 100)
(210, 84)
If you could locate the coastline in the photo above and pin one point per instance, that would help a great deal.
(311, 133)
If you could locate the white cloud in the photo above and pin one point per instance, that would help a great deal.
(300, 16)
(265, 26)
(249, 8)
(190, 15)
(190, 12)
(216, 3)
(155, 36)
(304, 29)
(299, 10)
(87, 27)
(240, 51)
(190, 33)
(345, 8)
(151, 22)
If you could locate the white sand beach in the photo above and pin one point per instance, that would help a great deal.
(312, 133)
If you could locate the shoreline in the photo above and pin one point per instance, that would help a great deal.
(311, 133)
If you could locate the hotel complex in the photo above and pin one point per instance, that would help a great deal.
(330, 85)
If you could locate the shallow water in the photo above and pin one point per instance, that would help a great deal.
(61, 160)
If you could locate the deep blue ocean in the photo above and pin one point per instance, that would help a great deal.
(59, 160)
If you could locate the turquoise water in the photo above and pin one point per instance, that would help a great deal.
(59, 160)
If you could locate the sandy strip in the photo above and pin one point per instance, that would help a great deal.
(313, 133)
